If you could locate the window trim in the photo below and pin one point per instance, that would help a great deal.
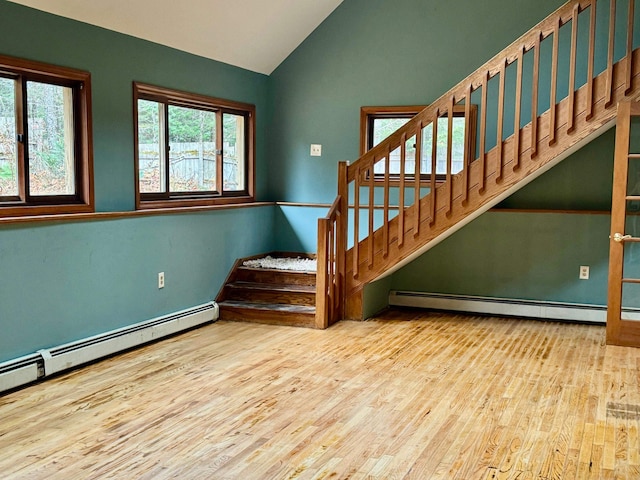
(80, 82)
(180, 98)
(370, 113)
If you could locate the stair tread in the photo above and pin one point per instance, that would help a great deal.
(263, 275)
(293, 272)
(281, 287)
(280, 307)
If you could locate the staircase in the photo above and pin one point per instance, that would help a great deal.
(564, 95)
(275, 297)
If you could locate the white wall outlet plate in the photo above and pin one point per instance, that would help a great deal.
(316, 150)
(584, 272)
(161, 280)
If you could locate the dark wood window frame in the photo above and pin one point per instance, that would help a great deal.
(369, 114)
(170, 97)
(82, 200)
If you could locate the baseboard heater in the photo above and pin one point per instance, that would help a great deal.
(572, 312)
(23, 370)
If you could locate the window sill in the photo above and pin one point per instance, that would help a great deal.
(34, 211)
(75, 217)
(191, 202)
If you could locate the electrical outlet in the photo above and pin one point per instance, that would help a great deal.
(161, 280)
(584, 272)
(316, 150)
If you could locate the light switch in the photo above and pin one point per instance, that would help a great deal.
(316, 150)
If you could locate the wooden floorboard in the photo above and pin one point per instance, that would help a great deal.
(411, 395)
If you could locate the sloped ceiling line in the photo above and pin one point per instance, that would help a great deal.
(253, 34)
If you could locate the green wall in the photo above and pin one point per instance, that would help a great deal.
(65, 281)
(376, 52)
(533, 256)
(62, 281)
(581, 182)
(296, 228)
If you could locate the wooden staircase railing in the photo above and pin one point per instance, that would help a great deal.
(515, 143)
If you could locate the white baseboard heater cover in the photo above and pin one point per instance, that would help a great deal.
(509, 307)
(20, 371)
(49, 361)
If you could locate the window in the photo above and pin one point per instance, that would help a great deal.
(45, 139)
(377, 123)
(191, 150)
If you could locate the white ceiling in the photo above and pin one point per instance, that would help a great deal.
(253, 34)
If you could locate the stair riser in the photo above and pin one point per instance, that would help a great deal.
(292, 319)
(271, 276)
(272, 296)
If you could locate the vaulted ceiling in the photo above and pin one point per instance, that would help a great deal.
(253, 34)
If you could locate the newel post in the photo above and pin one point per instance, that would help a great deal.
(322, 307)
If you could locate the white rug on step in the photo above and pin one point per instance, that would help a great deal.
(283, 263)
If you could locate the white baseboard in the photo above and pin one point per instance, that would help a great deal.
(508, 307)
(23, 370)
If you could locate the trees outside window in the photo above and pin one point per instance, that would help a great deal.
(45, 139)
(192, 149)
(377, 123)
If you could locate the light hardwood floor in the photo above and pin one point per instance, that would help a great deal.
(412, 395)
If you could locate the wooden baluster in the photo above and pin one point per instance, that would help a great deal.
(483, 132)
(612, 34)
(418, 154)
(629, 71)
(571, 109)
(403, 149)
(591, 60)
(449, 180)
(342, 226)
(518, 100)
(434, 166)
(534, 97)
(356, 223)
(385, 231)
(372, 192)
(336, 271)
(401, 186)
(332, 276)
(337, 295)
(467, 147)
(332, 251)
(338, 279)
(503, 69)
(554, 84)
(416, 197)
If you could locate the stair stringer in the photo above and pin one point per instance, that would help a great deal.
(449, 220)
